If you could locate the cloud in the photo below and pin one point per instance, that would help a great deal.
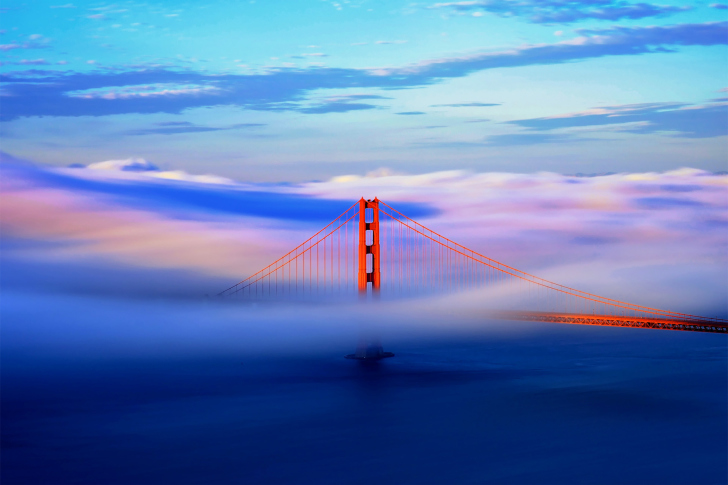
(312, 54)
(355, 97)
(142, 91)
(558, 11)
(22, 45)
(126, 165)
(140, 165)
(336, 108)
(560, 227)
(568, 228)
(138, 183)
(130, 212)
(682, 120)
(386, 42)
(614, 41)
(34, 62)
(172, 91)
(719, 6)
(629, 207)
(410, 113)
(663, 203)
(466, 105)
(338, 104)
(68, 5)
(174, 128)
(519, 139)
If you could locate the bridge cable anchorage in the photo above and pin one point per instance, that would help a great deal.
(384, 253)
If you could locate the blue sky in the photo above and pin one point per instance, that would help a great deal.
(275, 91)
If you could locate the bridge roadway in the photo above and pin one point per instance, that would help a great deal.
(686, 325)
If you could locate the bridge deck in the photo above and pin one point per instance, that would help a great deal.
(686, 325)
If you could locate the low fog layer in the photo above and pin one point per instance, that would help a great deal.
(121, 250)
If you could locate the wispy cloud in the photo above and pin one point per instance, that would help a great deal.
(558, 11)
(466, 105)
(337, 104)
(126, 165)
(311, 54)
(142, 91)
(594, 43)
(678, 119)
(335, 108)
(98, 94)
(22, 45)
(34, 62)
(523, 139)
(182, 127)
(355, 97)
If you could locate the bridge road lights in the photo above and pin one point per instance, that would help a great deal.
(369, 347)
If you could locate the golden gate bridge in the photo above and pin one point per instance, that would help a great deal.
(372, 249)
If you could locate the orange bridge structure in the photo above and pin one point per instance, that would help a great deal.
(372, 248)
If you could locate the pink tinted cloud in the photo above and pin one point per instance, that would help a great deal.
(95, 225)
(604, 234)
(570, 228)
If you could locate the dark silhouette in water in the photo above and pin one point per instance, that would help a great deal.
(369, 350)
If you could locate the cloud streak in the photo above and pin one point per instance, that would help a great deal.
(466, 105)
(22, 45)
(524, 139)
(183, 127)
(687, 121)
(100, 94)
(335, 107)
(559, 11)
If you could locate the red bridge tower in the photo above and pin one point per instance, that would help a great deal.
(369, 252)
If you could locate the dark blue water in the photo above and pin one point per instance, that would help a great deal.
(551, 405)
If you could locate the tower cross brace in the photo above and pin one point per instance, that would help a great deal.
(369, 252)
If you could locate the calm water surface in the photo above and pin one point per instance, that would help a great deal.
(561, 405)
